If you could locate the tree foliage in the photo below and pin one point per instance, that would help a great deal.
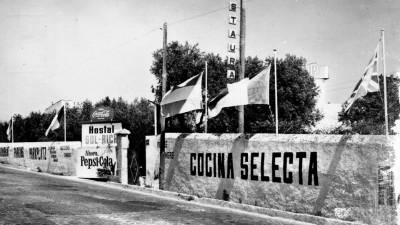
(296, 91)
(136, 117)
(366, 115)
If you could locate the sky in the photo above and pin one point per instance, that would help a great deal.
(78, 50)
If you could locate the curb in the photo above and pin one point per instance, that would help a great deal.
(278, 216)
(311, 219)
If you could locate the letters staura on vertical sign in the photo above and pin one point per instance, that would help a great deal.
(233, 36)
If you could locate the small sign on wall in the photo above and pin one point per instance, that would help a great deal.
(4, 151)
(100, 134)
(96, 162)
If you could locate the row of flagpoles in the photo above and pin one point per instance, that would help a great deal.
(60, 109)
(187, 96)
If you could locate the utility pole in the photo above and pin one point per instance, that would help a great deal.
(162, 119)
(206, 99)
(242, 60)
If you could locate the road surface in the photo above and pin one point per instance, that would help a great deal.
(29, 198)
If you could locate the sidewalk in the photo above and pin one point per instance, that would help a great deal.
(278, 216)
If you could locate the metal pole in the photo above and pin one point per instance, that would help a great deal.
(65, 123)
(12, 129)
(242, 60)
(162, 121)
(276, 96)
(206, 100)
(155, 119)
(384, 83)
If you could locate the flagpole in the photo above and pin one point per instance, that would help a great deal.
(155, 119)
(242, 44)
(206, 99)
(384, 83)
(12, 129)
(276, 96)
(65, 124)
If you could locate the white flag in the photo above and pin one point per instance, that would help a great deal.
(243, 92)
(10, 128)
(55, 123)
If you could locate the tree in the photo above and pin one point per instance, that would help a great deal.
(136, 117)
(297, 95)
(366, 115)
(87, 108)
(297, 91)
(3, 130)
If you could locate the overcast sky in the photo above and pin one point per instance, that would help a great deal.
(77, 50)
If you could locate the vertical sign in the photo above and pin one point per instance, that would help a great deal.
(233, 37)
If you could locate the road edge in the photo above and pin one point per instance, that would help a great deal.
(280, 216)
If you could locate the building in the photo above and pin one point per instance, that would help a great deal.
(329, 110)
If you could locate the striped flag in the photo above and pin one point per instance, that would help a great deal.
(9, 129)
(55, 123)
(183, 98)
(369, 82)
(243, 92)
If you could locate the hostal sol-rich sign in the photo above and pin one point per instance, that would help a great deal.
(101, 134)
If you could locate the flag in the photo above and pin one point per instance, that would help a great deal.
(183, 98)
(9, 129)
(235, 94)
(243, 92)
(258, 88)
(369, 82)
(55, 123)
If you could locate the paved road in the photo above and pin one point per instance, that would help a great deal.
(28, 198)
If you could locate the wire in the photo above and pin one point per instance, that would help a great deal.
(200, 15)
(195, 17)
(136, 38)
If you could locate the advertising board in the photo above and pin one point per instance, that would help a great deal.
(97, 158)
(102, 114)
(99, 134)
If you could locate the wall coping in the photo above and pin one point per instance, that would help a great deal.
(293, 138)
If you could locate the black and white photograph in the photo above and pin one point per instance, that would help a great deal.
(274, 112)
